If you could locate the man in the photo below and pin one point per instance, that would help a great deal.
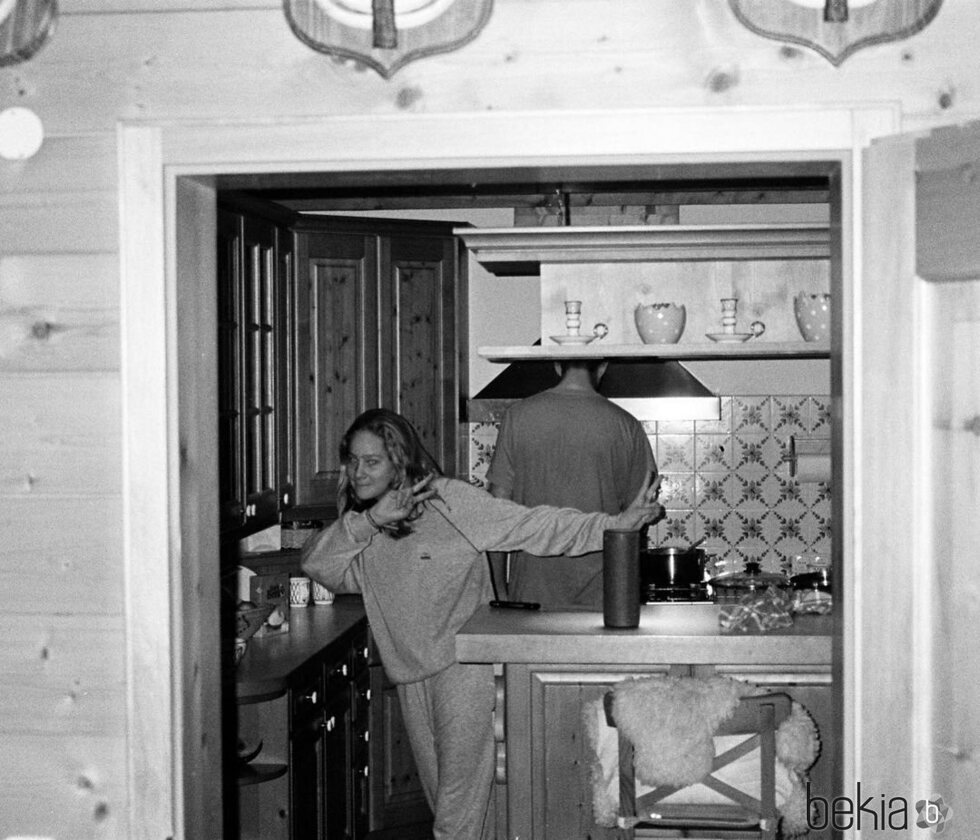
(568, 447)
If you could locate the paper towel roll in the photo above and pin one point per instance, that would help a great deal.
(809, 459)
(812, 468)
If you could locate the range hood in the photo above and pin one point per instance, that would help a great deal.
(647, 389)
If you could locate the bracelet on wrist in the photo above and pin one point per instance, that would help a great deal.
(371, 521)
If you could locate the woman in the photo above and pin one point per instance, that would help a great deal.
(413, 542)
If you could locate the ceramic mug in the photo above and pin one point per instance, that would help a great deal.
(299, 591)
(321, 595)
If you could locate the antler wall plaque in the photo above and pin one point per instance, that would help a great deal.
(24, 27)
(836, 28)
(386, 34)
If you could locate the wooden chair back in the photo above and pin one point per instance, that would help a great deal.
(743, 815)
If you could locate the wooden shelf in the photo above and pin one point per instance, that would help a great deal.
(256, 774)
(752, 349)
(510, 252)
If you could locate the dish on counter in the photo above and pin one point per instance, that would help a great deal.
(723, 338)
(573, 339)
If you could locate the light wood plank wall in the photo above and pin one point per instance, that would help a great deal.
(62, 682)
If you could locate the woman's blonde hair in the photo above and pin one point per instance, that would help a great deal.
(401, 442)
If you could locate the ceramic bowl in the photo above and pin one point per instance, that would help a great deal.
(660, 323)
(812, 316)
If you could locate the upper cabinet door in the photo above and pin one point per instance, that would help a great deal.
(336, 344)
(917, 459)
(230, 426)
(260, 354)
(379, 324)
(419, 338)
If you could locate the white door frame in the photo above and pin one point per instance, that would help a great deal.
(165, 463)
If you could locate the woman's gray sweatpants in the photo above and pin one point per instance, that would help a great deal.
(449, 718)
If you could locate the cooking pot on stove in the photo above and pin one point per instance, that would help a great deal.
(671, 568)
(817, 579)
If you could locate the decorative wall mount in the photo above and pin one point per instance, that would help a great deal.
(386, 34)
(836, 29)
(25, 25)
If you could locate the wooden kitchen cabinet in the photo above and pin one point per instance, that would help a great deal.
(335, 763)
(309, 745)
(380, 323)
(256, 376)
(397, 801)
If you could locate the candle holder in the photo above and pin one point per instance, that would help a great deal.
(573, 317)
(728, 318)
(728, 333)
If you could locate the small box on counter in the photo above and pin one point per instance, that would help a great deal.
(271, 589)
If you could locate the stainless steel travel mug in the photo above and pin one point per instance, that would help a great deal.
(621, 579)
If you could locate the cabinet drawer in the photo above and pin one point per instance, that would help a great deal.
(306, 695)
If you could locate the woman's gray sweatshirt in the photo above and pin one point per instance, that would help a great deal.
(419, 590)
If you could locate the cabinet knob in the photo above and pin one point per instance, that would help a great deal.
(331, 724)
(343, 670)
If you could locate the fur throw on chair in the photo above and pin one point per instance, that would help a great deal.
(671, 722)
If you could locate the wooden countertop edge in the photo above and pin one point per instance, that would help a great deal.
(268, 662)
(683, 634)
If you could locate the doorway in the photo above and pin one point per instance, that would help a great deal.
(168, 185)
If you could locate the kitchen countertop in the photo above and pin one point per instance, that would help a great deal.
(668, 634)
(268, 662)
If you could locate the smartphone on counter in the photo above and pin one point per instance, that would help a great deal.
(516, 605)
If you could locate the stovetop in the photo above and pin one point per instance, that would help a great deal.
(677, 594)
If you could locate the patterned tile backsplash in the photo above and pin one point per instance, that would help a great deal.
(727, 480)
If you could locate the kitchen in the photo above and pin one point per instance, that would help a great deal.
(708, 201)
(71, 277)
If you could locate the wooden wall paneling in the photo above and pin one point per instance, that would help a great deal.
(54, 337)
(61, 555)
(53, 223)
(948, 215)
(89, 7)
(947, 196)
(954, 331)
(580, 55)
(887, 464)
(78, 281)
(62, 674)
(64, 786)
(63, 435)
(150, 535)
(78, 163)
